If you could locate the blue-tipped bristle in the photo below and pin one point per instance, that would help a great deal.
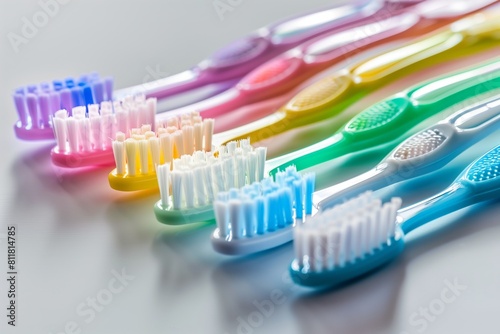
(62, 94)
(273, 206)
(88, 95)
(58, 85)
(69, 82)
(310, 180)
(299, 206)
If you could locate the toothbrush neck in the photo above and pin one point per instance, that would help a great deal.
(453, 198)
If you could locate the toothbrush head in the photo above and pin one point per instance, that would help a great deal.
(188, 191)
(320, 95)
(37, 104)
(378, 118)
(136, 157)
(420, 144)
(261, 216)
(486, 169)
(84, 139)
(346, 242)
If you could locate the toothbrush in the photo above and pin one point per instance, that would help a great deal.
(35, 104)
(377, 125)
(196, 180)
(262, 216)
(355, 238)
(423, 153)
(137, 157)
(331, 95)
(285, 73)
(388, 120)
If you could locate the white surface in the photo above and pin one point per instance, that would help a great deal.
(74, 231)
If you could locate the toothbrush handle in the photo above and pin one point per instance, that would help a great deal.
(377, 178)
(457, 196)
(326, 150)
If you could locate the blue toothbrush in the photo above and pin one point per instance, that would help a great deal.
(355, 238)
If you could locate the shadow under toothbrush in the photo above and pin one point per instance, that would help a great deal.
(241, 281)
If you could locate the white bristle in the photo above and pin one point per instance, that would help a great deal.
(208, 132)
(133, 115)
(131, 149)
(163, 174)
(172, 122)
(179, 142)
(151, 104)
(251, 167)
(261, 161)
(235, 218)
(93, 109)
(122, 121)
(95, 125)
(144, 156)
(209, 184)
(85, 132)
(167, 147)
(176, 189)
(221, 216)
(149, 134)
(143, 115)
(346, 232)
(145, 128)
(60, 130)
(188, 182)
(198, 137)
(188, 139)
(72, 126)
(154, 148)
(119, 153)
(229, 172)
(218, 177)
(240, 167)
(107, 129)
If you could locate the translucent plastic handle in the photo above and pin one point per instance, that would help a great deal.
(304, 26)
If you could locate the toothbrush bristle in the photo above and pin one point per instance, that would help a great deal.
(264, 207)
(486, 168)
(420, 144)
(92, 131)
(196, 179)
(36, 104)
(345, 233)
(375, 116)
(146, 149)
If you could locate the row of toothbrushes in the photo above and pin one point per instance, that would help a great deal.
(337, 92)
(202, 176)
